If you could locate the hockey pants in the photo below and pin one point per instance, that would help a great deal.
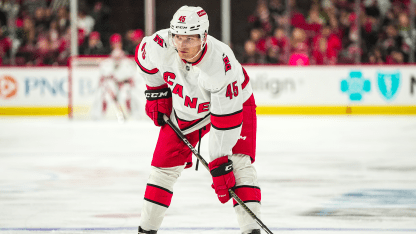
(159, 192)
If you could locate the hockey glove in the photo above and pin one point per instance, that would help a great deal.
(159, 103)
(222, 177)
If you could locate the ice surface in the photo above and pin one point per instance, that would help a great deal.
(318, 174)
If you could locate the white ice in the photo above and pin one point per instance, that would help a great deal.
(318, 174)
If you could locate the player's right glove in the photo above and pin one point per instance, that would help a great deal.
(159, 103)
(222, 177)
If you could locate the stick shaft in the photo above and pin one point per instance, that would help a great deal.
(116, 102)
(238, 200)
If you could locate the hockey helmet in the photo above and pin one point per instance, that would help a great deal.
(190, 20)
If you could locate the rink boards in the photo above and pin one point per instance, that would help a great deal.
(326, 90)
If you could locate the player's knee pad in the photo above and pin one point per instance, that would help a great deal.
(247, 187)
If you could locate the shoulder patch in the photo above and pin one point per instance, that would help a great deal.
(159, 40)
(143, 51)
(227, 65)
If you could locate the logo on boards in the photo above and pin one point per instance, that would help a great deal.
(355, 85)
(8, 87)
(388, 83)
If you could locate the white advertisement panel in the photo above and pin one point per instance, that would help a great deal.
(42, 86)
(333, 85)
(277, 89)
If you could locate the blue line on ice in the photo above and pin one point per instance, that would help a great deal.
(213, 228)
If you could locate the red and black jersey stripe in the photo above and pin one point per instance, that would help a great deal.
(186, 124)
(227, 121)
(246, 79)
(136, 58)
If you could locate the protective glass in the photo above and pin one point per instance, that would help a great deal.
(186, 41)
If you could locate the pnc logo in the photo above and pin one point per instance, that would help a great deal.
(8, 87)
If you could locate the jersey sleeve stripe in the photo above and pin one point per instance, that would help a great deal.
(153, 71)
(156, 88)
(228, 121)
(246, 79)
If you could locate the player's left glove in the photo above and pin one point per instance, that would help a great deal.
(159, 103)
(222, 177)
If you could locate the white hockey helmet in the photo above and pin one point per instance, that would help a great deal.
(189, 20)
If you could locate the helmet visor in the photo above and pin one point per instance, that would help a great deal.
(186, 41)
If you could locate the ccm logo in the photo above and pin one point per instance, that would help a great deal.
(157, 95)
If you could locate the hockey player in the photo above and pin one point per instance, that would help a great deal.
(116, 84)
(196, 81)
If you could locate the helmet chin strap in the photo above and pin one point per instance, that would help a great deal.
(200, 50)
(195, 55)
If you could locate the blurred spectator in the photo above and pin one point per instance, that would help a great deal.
(85, 22)
(64, 49)
(43, 54)
(257, 36)
(41, 21)
(314, 21)
(391, 39)
(63, 20)
(298, 36)
(93, 46)
(389, 18)
(133, 39)
(395, 57)
(251, 55)
(277, 8)
(54, 35)
(28, 41)
(116, 42)
(350, 35)
(32, 5)
(261, 18)
(101, 14)
(299, 57)
(5, 46)
(3, 17)
(405, 32)
(382, 6)
(370, 28)
(278, 47)
(375, 57)
(300, 48)
(326, 47)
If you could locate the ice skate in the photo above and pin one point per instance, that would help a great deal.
(141, 231)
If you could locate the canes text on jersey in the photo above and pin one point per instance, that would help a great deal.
(178, 90)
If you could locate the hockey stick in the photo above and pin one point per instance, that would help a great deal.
(239, 201)
(119, 112)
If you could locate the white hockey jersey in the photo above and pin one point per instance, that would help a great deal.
(212, 89)
(121, 70)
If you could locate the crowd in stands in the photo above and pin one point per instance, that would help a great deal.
(325, 32)
(42, 33)
(314, 32)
